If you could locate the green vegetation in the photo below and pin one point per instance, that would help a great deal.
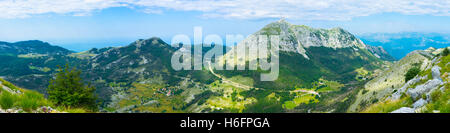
(265, 105)
(27, 100)
(32, 55)
(231, 100)
(327, 86)
(412, 72)
(43, 69)
(68, 90)
(440, 100)
(153, 97)
(7, 100)
(8, 84)
(32, 100)
(362, 74)
(389, 105)
(445, 52)
(444, 64)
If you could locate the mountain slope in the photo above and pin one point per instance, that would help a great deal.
(389, 91)
(400, 44)
(379, 52)
(320, 71)
(308, 58)
(29, 64)
(31, 47)
(306, 54)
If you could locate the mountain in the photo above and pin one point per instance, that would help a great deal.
(307, 54)
(321, 70)
(300, 37)
(379, 52)
(428, 91)
(32, 47)
(400, 44)
(18, 100)
(323, 65)
(29, 64)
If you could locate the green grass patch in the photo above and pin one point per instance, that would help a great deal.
(7, 100)
(8, 84)
(389, 105)
(32, 100)
(440, 100)
(443, 64)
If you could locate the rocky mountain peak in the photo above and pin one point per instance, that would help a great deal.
(296, 38)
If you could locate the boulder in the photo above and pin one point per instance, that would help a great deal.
(419, 103)
(424, 88)
(435, 72)
(404, 110)
(402, 90)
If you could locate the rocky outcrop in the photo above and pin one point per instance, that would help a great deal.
(429, 85)
(419, 103)
(424, 88)
(404, 110)
(296, 38)
(396, 95)
(379, 52)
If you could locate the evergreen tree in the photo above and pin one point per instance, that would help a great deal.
(411, 73)
(445, 52)
(67, 89)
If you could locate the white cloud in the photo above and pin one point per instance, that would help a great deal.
(235, 9)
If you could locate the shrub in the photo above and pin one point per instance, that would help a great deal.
(412, 72)
(440, 101)
(67, 89)
(445, 52)
(7, 100)
(31, 100)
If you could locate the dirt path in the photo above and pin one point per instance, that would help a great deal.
(224, 80)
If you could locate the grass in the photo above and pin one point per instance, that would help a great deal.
(29, 100)
(300, 99)
(71, 110)
(389, 105)
(8, 84)
(32, 100)
(443, 64)
(440, 101)
(7, 100)
(289, 105)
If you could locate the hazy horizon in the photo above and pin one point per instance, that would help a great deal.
(79, 25)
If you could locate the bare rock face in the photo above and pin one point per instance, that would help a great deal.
(402, 90)
(424, 88)
(379, 52)
(404, 110)
(429, 85)
(419, 103)
(435, 72)
(296, 38)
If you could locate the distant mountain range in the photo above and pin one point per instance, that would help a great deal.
(400, 44)
(321, 70)
(32, 46)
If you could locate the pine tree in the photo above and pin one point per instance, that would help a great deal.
(68, 90)
(412, 72)
(445, 52)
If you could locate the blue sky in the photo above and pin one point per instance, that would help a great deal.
(83, 24)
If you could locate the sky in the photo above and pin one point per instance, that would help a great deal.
(83, 24)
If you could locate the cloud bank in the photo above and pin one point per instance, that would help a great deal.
(233, 9)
